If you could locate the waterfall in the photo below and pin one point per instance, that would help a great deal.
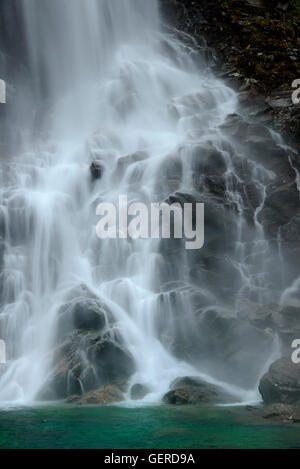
(106, 83)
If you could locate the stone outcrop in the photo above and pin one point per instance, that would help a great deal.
(90, 351)
(281, 384)
(234, 348)
(193, 390)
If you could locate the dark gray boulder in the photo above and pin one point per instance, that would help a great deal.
(90, 351)
(260, 316)
(193, 390)
(139, 391)
(282, 204)
(281, 384)
(84, 314)
(85, 361)
(206, 159)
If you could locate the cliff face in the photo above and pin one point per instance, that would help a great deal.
(256, 45)
(255, 48)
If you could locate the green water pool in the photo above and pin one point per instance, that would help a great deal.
(153, 427)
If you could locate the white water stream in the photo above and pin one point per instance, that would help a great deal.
(107, 82)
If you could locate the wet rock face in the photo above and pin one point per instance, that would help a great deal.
(283, 321)
(246, 175)
(84, 361)
(221, 177)
(282, 204)
(217, 270)
(91, 359)
(192, 391)
(277, 413)
(8, 8)
(2, 252)
(127, 160)
(290, 232)
(208, 160)
(253, 54)
(86, 314)
(286, 114)
(281, 384)
(90, 352)
(235, 349)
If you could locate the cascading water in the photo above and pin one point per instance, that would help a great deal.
(106, 82)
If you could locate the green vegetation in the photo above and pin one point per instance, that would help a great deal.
(265, 40)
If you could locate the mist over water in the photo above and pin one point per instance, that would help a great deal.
(106, 81)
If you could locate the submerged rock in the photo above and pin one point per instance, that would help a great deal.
(101, 396)
(281, 384)
(206, 159)
(283, 412)
(85, 361)
(193, 390)
(291, 231)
